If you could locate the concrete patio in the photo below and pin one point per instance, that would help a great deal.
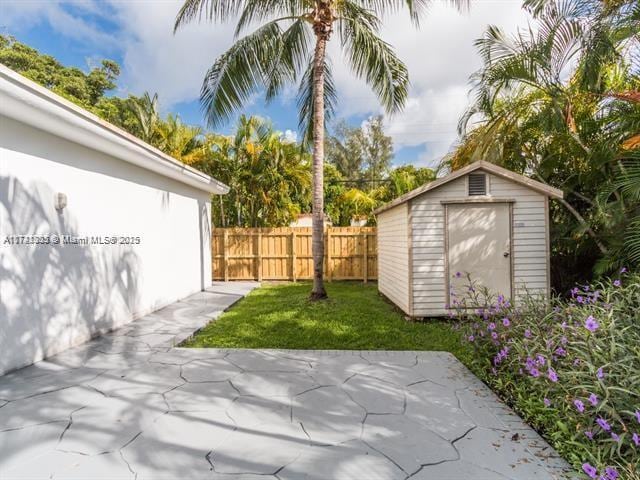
(131, 405)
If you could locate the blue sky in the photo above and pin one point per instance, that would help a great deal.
(137, 34)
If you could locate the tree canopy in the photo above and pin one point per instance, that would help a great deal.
(560, 102)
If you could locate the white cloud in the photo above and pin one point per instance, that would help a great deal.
(23, 14)
(290, 136)
(156, 60)
(440, 57)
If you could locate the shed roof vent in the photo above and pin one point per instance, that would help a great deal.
(477, 184)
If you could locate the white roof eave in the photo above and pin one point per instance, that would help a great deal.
(29, 103)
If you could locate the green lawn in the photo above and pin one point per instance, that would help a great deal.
(355, 317)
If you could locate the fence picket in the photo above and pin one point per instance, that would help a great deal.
(285, 253)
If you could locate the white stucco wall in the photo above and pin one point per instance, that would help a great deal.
(54, 297)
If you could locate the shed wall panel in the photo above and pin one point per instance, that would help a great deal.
(393, 255)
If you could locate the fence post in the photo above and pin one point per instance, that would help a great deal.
(225, 253)
(259, 257)
(328, 249)
(293, 255)
(365, 260)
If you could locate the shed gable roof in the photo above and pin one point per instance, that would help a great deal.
(479, 165)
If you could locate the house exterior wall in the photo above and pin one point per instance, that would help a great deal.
(56, 296)
(393, 255)
(529, 241)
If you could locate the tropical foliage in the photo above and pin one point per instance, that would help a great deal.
(269, 177)
(560, 102)
(570, 368)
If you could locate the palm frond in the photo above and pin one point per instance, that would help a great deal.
(305, 100)
(375, 61)
(416, 8)
(632, 241)
(211, 10)
(255, 11)
(264, 59)
(294, 51)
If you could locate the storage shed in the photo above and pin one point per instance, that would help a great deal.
(483, 220)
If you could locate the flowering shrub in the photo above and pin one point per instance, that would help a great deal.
(570, 367)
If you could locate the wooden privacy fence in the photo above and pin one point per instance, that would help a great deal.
(285, 253)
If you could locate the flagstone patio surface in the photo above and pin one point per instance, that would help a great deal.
(129, 405)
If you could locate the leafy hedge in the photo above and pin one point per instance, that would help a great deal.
(571, 368)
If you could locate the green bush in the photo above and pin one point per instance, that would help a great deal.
(570, 367)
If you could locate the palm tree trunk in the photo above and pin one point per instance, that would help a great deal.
(317, 240)
(223, 220)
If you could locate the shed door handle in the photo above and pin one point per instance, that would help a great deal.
(505, 254)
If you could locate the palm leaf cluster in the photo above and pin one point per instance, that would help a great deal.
(279, 52)
(268, 176)
(559, 102)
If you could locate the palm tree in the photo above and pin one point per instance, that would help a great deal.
(290, 46)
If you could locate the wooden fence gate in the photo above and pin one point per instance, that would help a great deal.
(285, 253)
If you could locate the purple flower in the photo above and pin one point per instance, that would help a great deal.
(637, 415)
(617, 283)
(561, 352)
(590, 470)
(623, 270)
(527, 333)
(494, 335)
(615, 436)
(591, 324)
(564, 340)
(603, 424)
(636, 439)
(534, 372)
(589, 434)
(553, 376)
(458, 274)
(492, 326)
(547, 402)
(611, 473)
(580, 299)
(471, 338)
(600, 375)
(563, 325)
(574, 290)
(593, 399)
(579, 405)
(506, 322)
(541, 360)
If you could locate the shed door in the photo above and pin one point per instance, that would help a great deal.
(480, 244)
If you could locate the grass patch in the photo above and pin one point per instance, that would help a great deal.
(355, 317)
